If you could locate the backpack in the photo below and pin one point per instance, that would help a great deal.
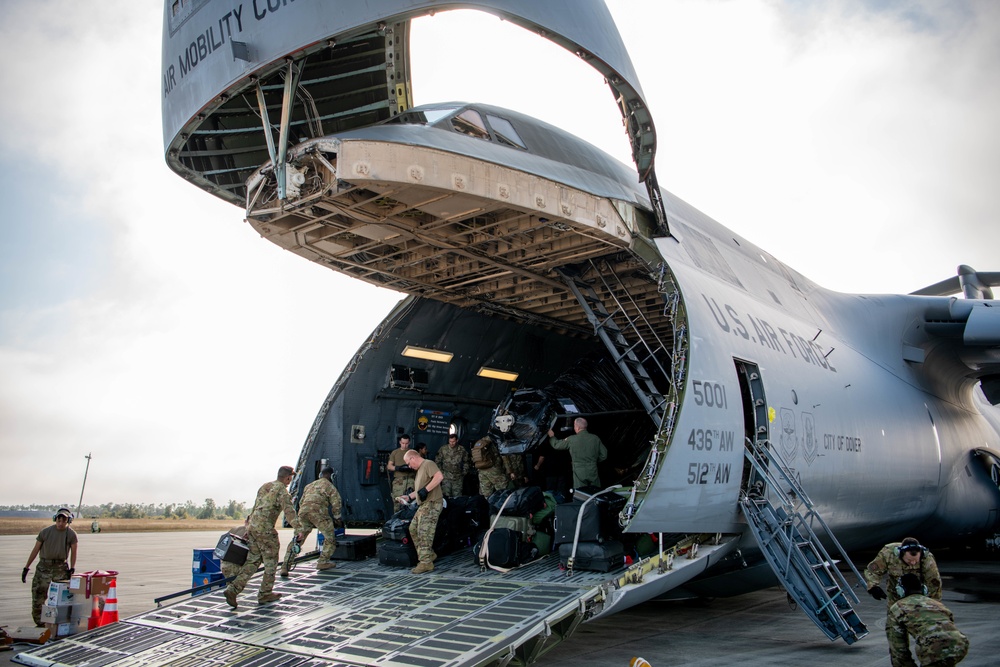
(484, 454)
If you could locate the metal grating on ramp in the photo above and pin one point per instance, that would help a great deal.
(361, 613)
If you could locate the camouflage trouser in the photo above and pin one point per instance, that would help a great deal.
(230, 569)
(422, 529)
(942, 649)
(490, 480)
(45, 573)
(400, 484)
(321, 520)
(451, 485)
(262, 548)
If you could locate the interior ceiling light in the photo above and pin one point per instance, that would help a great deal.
(496, 374)
(426, 353)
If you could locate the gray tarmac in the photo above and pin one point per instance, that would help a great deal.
(759, 628)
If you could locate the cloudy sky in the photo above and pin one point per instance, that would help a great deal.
(143, 322)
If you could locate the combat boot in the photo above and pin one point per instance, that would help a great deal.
(325, 566)
(268, 597)
(423, 567)
(231, 597)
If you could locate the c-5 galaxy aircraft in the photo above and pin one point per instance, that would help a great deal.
(751, 415)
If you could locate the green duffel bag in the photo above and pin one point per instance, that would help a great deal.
(543, 541)
(546, 512)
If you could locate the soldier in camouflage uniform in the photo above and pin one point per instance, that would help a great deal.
(899, 558)
(513, 466)
(454, 462)
(230, 570)
(491, 478)
(54, 545)
(262, 538)
(929, 622)
(402, 475)
(431, 500)
(319, 501)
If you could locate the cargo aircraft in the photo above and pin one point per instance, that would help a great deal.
(758, 424)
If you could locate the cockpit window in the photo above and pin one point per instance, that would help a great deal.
(504, 131)
(432, 116)
(471, 123)
(426, 116)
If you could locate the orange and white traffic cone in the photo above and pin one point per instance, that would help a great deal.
(639, 662)
(95, 614)
(110, 614)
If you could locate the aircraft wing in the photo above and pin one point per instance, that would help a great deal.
(963, 342)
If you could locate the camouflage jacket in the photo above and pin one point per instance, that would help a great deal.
(453, 461)
(931, 625)
(889, 564)
(272, 499)
(320, 495)
(513, 464)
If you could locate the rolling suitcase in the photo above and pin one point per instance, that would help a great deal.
(397, 554)
(594, 556)
(503, 549)
(564, 525)
(468, 516)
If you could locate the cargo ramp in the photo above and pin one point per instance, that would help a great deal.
(364, 613)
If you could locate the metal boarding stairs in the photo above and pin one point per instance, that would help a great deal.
(626, 353)
(810, 576)
(636, 358)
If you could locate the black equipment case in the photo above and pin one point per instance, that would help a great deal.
(397, 554)
(594, 556)
(232, 549)
(354, 547)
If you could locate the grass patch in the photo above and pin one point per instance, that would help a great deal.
(31, 526)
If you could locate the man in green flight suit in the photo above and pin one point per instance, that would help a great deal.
(586, 450)
(262, 538)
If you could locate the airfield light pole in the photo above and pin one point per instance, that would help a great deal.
(80, 504)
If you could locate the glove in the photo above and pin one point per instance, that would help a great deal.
(422, 494)
(403, 468)
(24, 576)
(877, 593)
(70, 571)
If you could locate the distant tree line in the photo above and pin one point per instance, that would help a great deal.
(187, 510)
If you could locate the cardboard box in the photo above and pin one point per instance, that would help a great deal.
(62, 629)
(66, 613)
(59, 593)
(95, 582)
(56, 614)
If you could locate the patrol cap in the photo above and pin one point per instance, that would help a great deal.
(285, 471)
(326, 471)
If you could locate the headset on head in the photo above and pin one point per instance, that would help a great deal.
(62, 511)
(901, 592)
(901, 549)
